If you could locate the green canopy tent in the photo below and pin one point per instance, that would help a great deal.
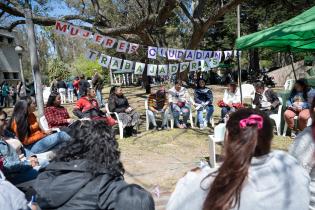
(294, 35)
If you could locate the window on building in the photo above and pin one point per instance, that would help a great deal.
(15, 75)
(6, 75)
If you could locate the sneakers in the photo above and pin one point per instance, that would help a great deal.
(293, 134)
(156, 128)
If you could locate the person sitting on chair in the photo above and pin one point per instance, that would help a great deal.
(180, 102)
(203, 101)
(265, 99)
(88, 174)
(158, 103)
(87, 107)
(26, 128)
(56, 115)
(231, 100)
(117, 102)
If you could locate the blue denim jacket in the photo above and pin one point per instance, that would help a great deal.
(290, 101)
(11, 162)
(203, 95)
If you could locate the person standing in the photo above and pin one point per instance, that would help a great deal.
(97, 83)
(84, 85)
(70, 89)
(5, 94)
(203, 101)
(62, 90)
(76, 87)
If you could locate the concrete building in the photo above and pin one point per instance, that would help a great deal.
(9, 59)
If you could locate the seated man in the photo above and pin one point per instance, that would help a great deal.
(87, 107)
(180, 102)
(265, 99)
(158, 103)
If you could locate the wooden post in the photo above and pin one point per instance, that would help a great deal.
(34, 58)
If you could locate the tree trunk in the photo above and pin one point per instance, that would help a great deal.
(34, 58)
(254, 59)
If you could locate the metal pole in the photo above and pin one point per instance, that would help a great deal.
(34, 57)
(292, 63)
(22, 73)
(238, 53)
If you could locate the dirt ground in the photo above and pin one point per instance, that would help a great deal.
(156, 160)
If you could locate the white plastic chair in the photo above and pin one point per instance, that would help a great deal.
(248, 91)
(212, 150)
(46, 93)
(289, 84)
(203, 111)
(120, 124)
(44, 124)
(277, 117)
(172, 117)
(147, 115)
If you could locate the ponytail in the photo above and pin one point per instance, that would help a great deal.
(240, 146)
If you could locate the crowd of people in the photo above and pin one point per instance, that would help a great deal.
(86, 156)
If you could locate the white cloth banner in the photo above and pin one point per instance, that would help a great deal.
(171, 54)
(74, 31)
(115, 63)
(127, 65)
(151, 70)
(61, 27)
(194, 65)
(183, 66)
(152, 51)
(109, 42)
(162, 52)
(91, 55)
(217, 55)
(85, 34)
(198, 55)
(205, 65)
(180, 54)
(133, 48)
(162, 70)
(122, 46)
(228, 54)
(104, 60)
(190, 55)
(214, 62)
(98, 39)
(139, 68)
(235, 53)
(207, 55)
(173, 68)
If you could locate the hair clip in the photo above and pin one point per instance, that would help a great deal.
(254, 119)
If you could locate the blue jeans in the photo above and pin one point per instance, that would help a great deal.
(99, 98)
(209, 110)
(185, 111)
(23, 176)
(49, 142)
(153, 121)
(224, 112)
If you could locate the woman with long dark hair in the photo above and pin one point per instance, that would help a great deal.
(26, 128)
(91, 169)
(56, 115)
(251, 177)
(303, 149)
(118, 102)
(297, 105)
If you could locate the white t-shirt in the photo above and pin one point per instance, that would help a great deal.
(275, 182)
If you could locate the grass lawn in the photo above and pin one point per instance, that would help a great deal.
(161, 158)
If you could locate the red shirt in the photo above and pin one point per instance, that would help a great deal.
(76, 84)
(56, 116)
(85, 104)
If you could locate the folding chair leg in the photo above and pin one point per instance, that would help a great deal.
(285, 129)
(212, 122)
(121, 132)
(212, 157)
